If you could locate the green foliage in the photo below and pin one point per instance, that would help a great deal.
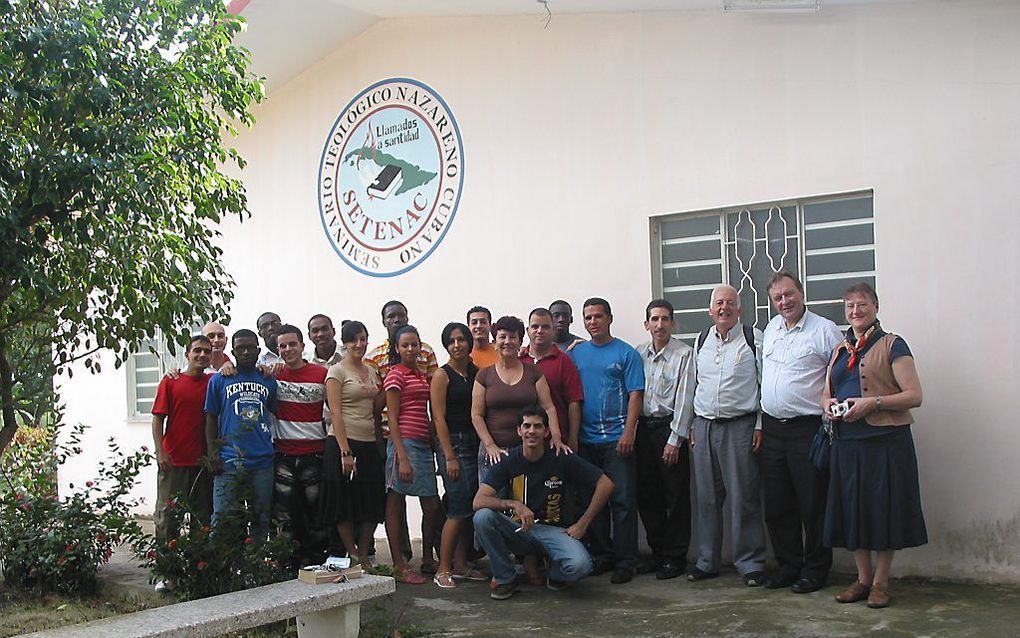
(53, 544)
(202, 562)
(112, 174)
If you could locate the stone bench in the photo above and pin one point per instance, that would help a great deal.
(322, 610)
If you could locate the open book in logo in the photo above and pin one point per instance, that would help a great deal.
(388, 180)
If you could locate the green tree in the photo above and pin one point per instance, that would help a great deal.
(113, 119)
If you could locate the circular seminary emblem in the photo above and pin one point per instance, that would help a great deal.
(390, 177)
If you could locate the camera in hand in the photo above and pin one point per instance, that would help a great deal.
(839, 409)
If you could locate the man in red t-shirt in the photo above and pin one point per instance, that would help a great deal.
(179, 406)
(565, 387)
(559, 370)
(300, 437)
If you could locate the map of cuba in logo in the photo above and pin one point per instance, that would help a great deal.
(390, 177)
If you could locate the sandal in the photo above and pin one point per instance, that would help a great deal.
(471, 574)
(444, 580)
(408, 577)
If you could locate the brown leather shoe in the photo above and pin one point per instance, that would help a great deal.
(853, 593)
(878, 598)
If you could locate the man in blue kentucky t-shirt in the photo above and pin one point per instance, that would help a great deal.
(614, 384)
(238, 436)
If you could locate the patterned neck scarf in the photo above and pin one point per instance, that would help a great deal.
(862, 341)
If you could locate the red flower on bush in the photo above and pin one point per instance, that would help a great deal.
(248, 540)
(89, 483)
(201, 565)
(151, 554)
(171, 544)
(206, 529)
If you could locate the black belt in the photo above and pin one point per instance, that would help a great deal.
(727, 419)
(795, 419)
(656, 420)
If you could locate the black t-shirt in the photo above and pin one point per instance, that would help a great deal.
(458, 399)
(542, 485)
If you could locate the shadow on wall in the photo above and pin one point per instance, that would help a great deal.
(995, 544)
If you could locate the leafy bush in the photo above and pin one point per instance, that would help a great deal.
(202, 561)
(54, 544)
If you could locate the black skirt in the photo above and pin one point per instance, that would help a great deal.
(362, 500)
(874, 498)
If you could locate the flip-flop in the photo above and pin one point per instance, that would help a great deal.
(444, 580)
(471, 574)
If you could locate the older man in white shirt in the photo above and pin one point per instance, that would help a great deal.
(724, 437)
(796, 351)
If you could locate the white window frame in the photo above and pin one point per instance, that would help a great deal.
(165, 360)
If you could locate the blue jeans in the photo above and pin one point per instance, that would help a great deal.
(234, 485)
(623, 549)
(461, 493)
(497, 534)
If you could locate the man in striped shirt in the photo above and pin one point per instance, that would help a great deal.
(300, 438)
(394, 315)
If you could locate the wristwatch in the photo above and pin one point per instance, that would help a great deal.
(878, 403)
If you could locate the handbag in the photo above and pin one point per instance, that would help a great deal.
(821, 445)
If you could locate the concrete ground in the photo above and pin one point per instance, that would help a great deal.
(647, 607)
(720, 607)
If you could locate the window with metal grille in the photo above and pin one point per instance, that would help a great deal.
(829, 242)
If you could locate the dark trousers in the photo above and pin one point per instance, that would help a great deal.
(795, 492)
(622, 549)
(296, 483)
(663, 491)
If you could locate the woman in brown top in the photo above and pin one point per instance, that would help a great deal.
(874, 501)
(502, 391)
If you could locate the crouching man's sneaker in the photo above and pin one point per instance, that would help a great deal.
(503, 591)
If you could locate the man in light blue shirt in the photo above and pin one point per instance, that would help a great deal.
(725, 436)
(797, 347)
(614, 382)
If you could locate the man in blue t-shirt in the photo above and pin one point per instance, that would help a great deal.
(614, 383)
(238, 435)
(538, 479)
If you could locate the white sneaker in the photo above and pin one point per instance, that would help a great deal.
(162, 586)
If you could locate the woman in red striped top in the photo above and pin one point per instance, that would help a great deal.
(410, 464)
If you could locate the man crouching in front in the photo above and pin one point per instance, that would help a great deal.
(532, 521)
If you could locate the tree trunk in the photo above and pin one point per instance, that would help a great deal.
(10, 423)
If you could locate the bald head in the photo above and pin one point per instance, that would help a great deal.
(724, 307)
(216, 334)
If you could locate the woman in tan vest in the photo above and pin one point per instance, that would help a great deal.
(874, 502)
